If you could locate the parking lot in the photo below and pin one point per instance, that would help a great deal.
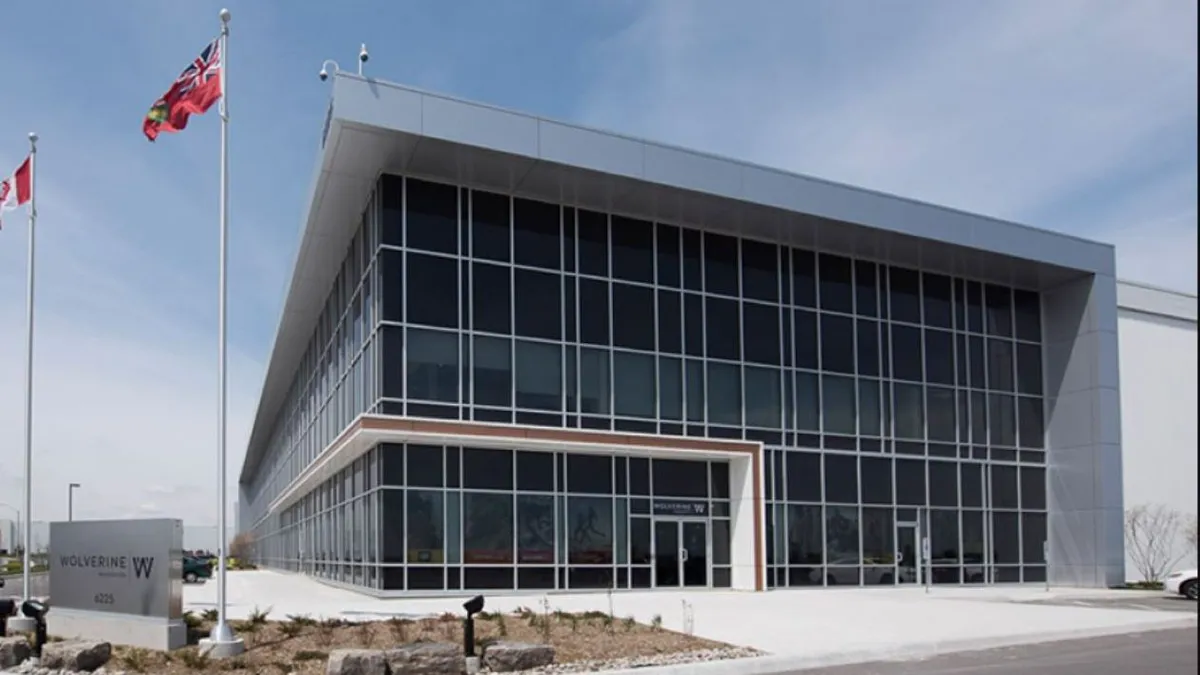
(1140, 601)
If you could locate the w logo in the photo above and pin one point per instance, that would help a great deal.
(142, 567)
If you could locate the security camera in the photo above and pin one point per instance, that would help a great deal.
(362, 54)
(324, 74)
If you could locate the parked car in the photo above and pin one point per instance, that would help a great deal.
(195, 569)
(1182, 583)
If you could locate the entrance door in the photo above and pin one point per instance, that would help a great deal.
(908, 553)
(680, 553)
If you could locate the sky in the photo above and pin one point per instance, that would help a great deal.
(1075, 115)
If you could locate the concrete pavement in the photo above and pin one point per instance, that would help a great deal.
(1162, 652)
(798, 628)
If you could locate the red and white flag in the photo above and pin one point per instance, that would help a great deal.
(17, 188)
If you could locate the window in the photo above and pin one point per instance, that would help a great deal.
(763, 406)
(487, 469)
(391, 273)
(938, 301)
(910, 411)
(1000, 364)
(807, 343)
(939, 356)
(537, 237)
(904, 295)
(632, 250)
(760, 271)
(539, 376)
(837, 343)
(593, 244)
(804, 476)
(803, 532)
(808, 402)
(866, 294)
(490, 231)
(867, 347)
(724, 394)
(593, 312)
(670, 388)
(1004, 487)
(589, 530)
(634, 384)
(1027, 312)
(693, 279)
(426, 529)
(538, 304)
(868, 407)
(1032, 422)
(1029, 368)
(906, 353)
(491, 304)
(722, 324)
(391, 210)
(535, 529)
(633, 316)
(1003, 427)
(943, 484)
(680, 478)
(760, 328)
(432, 217)
(840, 398)
(841, 479)
(876, 480)
(432, 365)
(721, 264)
(910, 482)
(804, 278)
(667, 249)
(487, 528)
(492, 369)
(432, 285)
(940, 409)
(837, 287)
(392, 366)
(1033, 487)
(694, 390)
(999, 310)
(593, 381)
(670, 329)
(841, 535)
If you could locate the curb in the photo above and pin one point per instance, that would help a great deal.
(782, 665)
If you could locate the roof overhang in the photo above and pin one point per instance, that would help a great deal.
(1162, 302)
(374, 127)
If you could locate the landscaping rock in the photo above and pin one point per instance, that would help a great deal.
(426, 658)
(14, 651)
(356, 662)
(508, 657)
(77, 655)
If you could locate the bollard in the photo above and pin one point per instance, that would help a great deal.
(469, 636)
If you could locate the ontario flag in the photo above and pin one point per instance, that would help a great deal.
(193, 93)
(17, 188)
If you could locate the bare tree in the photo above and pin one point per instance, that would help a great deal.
(1190, 535)
(1150, 532)
(242, 547)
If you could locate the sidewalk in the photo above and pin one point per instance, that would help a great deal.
(815, 627)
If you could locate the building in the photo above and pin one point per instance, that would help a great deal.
(519, 354)
(1157, 329)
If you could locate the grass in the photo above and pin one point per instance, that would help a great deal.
(301, 644)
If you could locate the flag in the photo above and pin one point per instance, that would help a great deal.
(17, 188)
(193, 93)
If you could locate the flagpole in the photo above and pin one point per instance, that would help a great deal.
(28, 534)
(222, 642)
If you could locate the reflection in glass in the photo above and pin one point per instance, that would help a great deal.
(803, 535)
(695, 390)
(808, 402)
(426, 534)
(868, 407)
(593, 381)
(724, 394)
(535, 529)
(634, 383)
(841, 535)
(432, 365)
(589, 527)
(877, 534)
(910, 411)
(493, 371)
(539, 375)
(670, 388)
(763, 407)
(840, 400)
(943, 537)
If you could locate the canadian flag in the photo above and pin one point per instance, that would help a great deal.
(17, 188)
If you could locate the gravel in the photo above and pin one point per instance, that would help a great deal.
(675, 659)
(31, 667)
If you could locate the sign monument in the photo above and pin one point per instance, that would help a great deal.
(119, 581)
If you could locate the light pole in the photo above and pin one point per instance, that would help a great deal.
(71, 500)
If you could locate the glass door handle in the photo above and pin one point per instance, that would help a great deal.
(899, 557)
(683, 554)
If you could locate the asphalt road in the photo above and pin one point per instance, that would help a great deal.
(13, 586)
(1171, 652)
(1143, 602)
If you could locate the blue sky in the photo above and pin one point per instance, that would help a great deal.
(1073, 115)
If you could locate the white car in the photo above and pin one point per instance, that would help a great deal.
(1182, 583)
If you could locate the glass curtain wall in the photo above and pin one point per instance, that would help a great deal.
(883, 394)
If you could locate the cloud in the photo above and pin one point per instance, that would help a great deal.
(1021, 109)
